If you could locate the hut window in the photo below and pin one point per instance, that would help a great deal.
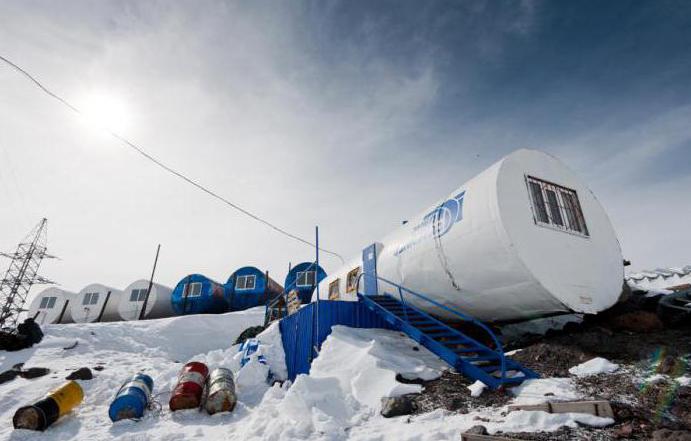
(245, 282)
(351, 281)
(138, 295)
(47, 303)
(556, 206)
(305, 279)
(90, 298)
(334, 293)
(194, 289)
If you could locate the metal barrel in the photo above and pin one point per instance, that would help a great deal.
(132, 398)
(45, 412)
(188, 391)
(221, 395)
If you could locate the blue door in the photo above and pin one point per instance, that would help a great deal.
(369, 269)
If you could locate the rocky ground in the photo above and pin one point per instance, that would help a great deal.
(646, 406)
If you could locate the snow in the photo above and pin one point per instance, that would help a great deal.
(340, 400)
(594, 366)
(542, 390)
(683, 380)
(477, 388)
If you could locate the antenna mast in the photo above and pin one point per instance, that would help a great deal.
(22, 274)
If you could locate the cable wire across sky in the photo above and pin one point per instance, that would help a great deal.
(167, 168)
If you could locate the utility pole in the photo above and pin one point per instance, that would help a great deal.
(22, 274)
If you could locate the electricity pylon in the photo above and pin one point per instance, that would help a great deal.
(22, 274)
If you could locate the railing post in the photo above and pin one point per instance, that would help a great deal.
(405, 312)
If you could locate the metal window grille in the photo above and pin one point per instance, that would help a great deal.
(556, 206)
(194, 289)
(245, 282)
(305, 279)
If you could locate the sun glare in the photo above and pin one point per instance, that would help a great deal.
(106, 111)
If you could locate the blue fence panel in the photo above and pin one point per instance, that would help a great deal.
(304, 332)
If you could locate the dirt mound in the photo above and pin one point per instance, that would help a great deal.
(551, 360)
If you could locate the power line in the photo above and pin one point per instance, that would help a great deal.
(165, 167)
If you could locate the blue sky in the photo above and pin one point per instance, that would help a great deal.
(349, 115)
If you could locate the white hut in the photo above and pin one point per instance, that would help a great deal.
(51, 306)
(96, 303)
(523, 239)
(158, 306)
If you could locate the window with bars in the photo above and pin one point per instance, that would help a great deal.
(305, 279)
(90, 298)
(194, 289)
(138, 295)
(48, 303)
(245, 282)
(556, 206)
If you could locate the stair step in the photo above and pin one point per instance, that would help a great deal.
(492, 357)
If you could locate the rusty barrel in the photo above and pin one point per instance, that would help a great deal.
(221, 394)
(188, 391)
(45, 412)
(133, 397)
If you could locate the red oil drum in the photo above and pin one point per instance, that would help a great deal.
(188, 392)
(221, 394)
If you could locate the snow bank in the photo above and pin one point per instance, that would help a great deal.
(339, 401)
(594, 366)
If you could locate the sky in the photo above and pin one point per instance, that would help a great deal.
(349, 115)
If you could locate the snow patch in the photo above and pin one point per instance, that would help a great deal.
(594, 366)
(542, 390)
(477, 388)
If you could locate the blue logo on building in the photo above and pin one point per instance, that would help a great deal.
(446, 215)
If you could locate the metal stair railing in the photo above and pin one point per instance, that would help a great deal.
(499, 348)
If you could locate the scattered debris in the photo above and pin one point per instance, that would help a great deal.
(467, 436)
(397, 406)
(671, 435)
(81, 374)
(28, 333)
(248, 333)
(33, 372)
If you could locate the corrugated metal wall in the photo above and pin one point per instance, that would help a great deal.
(303, 332)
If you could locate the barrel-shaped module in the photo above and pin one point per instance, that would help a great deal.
(158, 304)
(303, 278)
(96, 303)
(197, 294)
(51, 306)
(525, 238)
(249, 287)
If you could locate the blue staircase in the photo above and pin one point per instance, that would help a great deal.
(467, 355)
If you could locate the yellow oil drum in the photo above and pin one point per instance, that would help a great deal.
(45, 412)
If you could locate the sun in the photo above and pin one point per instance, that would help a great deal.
(106, 110)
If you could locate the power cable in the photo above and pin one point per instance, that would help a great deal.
(167, 168)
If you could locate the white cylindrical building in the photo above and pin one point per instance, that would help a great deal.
(158, 306)
(525, 238)
(88, 306)
(49, 305)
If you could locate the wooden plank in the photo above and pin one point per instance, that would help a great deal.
(599, 408)
(474, 437)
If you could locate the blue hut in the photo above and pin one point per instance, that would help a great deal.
(303, 278)
(197, 294)
(248, 287)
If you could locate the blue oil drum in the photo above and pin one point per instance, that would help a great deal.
(132, 399)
